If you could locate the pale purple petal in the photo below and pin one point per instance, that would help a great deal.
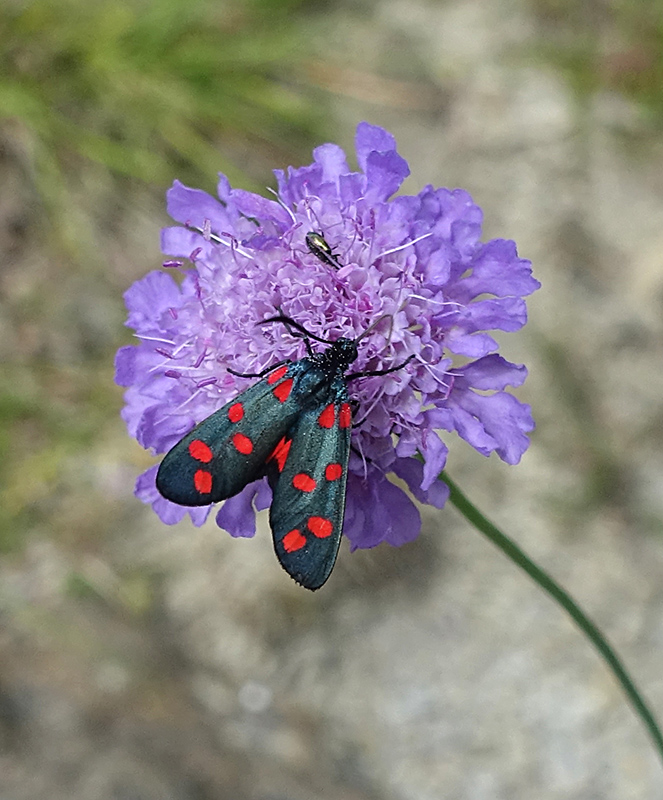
(411, 470)
(492, 372)
(472, 345)
(148, 298)
(499, 313)
(253, 205)
(385, 172)
(414, 264)
(333, 162)
(497, 270)
(378, 511)
(195, 207)
(372, 139)
(263, 497)
(237, 515)
(169, 513)
(503, 418)
(125, 361)
(435, 454)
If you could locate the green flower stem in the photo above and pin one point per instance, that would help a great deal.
(512, 551)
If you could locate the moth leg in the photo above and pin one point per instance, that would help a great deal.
(373, 372)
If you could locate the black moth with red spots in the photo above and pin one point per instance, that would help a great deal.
(293, 426)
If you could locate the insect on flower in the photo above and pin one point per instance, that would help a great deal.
(418, 259)
(294, 427)
(317, 245)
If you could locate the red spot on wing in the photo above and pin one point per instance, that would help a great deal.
(280, 453)
(320, 527)
(282, 391)
(235, 412)
(345, 416)
(326, 419)
(200, 451)
(202, 480)
(242, 444)
(333, 471)
(277, 375)
(293, 541)
(303, 482)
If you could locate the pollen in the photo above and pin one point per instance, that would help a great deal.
(202, 480)
(200, 451)
(242, 444)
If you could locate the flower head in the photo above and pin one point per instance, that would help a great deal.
(417, 262)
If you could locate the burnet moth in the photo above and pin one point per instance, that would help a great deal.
(293, 426)
(317, 245)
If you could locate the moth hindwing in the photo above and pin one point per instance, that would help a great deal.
(308, 475)
(293, 426)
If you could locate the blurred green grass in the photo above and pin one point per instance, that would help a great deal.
(102, 105)
(150, 90)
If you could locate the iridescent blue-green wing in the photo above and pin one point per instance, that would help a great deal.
(231, 447)
(308, 474)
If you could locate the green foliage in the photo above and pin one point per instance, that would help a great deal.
(103, 103)
(149, 90)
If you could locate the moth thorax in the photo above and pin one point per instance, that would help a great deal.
(342, 353)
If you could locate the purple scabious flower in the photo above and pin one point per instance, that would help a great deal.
(418, 259)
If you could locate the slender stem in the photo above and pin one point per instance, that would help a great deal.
(561, 596)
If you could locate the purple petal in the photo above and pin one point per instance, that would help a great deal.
(333, 162)
(492, 372)
(411, 470)
(178, 241)
(497, 270)
(169, 513)
(263, 498)
(504, 419)
(262, 208)
(195, 207)
(237, 514)
(385, 172)
(159, 430)
(378, 511)
(369, 139)
(148, 298)
(435, 454)
(295, 185)
(125, 361)
(472, 345)
(499, 313)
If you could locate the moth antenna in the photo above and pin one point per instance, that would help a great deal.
(294, 324)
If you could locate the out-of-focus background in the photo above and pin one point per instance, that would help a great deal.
(141, 662)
